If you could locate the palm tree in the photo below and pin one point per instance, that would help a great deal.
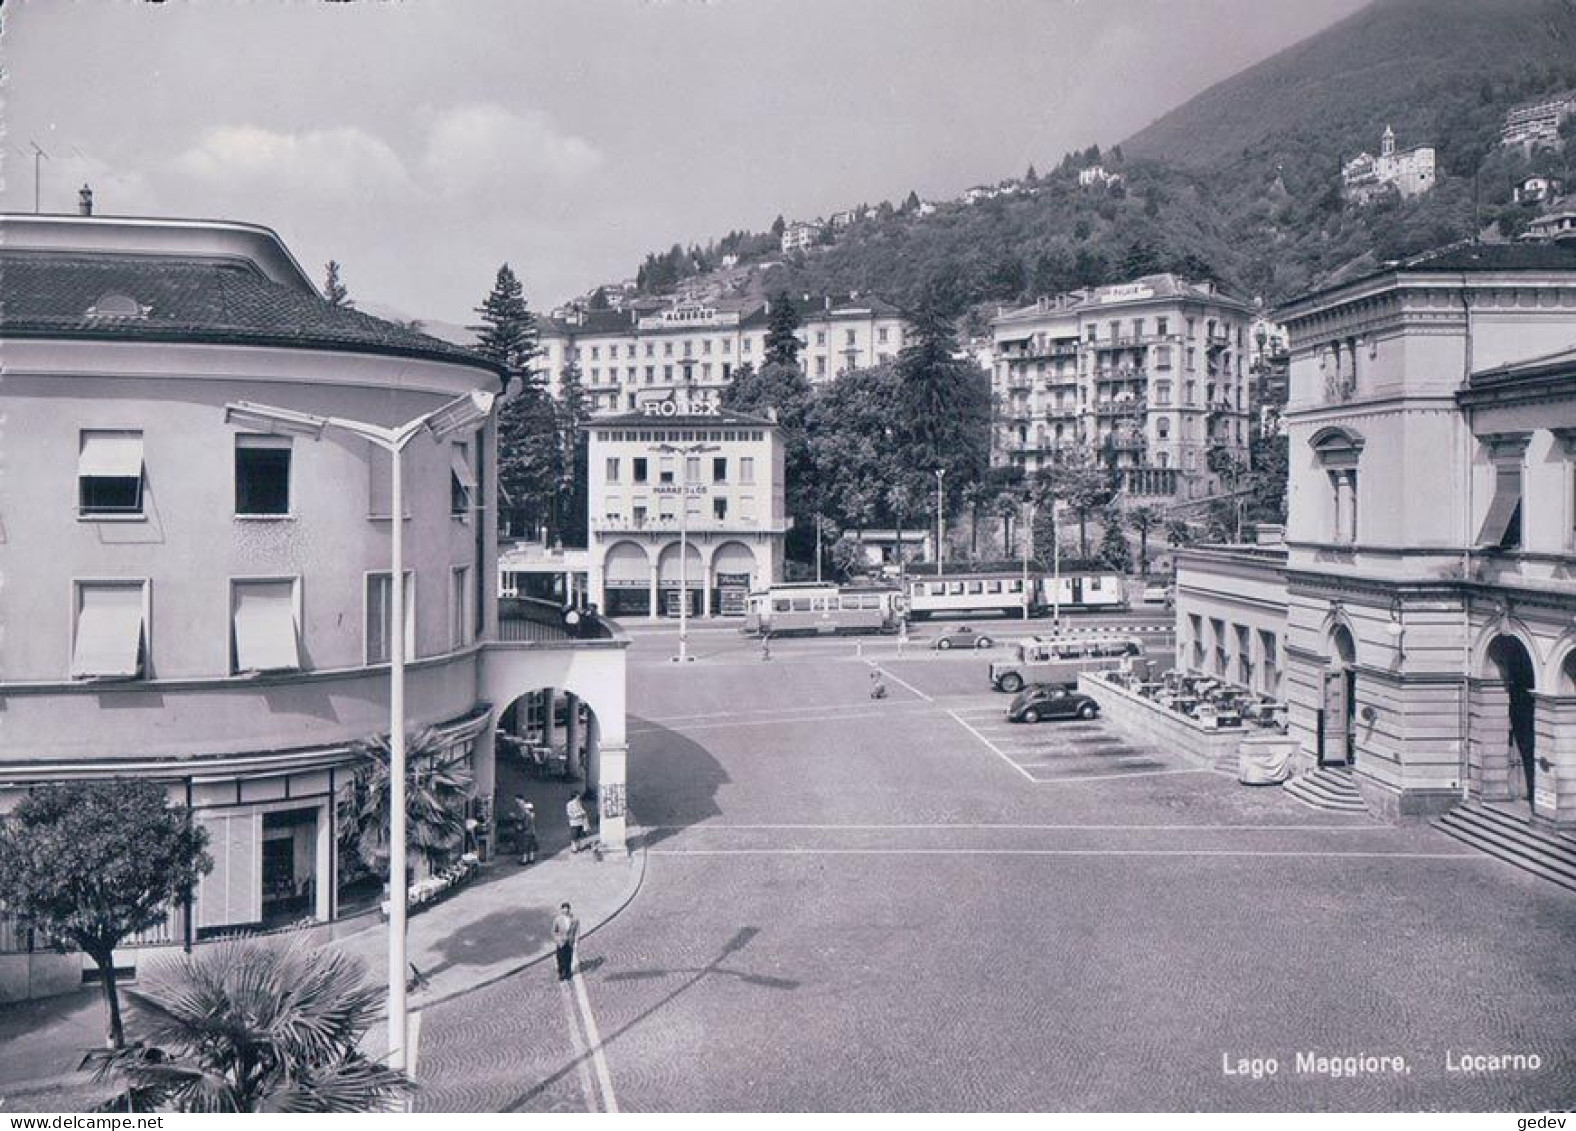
(250, 1025)
(435, 797)
(1144, 519)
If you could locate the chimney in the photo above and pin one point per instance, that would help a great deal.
(85, 201)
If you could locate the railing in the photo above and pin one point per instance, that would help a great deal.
(526, 619)
(697, 524)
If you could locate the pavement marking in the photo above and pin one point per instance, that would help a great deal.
(903, 683)
(587, 1089)
(1234, 852)
(609, 1103)
(412, 1042)
(992, 827)
(991, 746)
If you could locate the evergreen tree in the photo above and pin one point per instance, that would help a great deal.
(598, 300)
(528, 466)
(335, 291)
(943, 403)
(1114, 549)
(911, 202)
(779, 226)
(574, 409)
(782, 332)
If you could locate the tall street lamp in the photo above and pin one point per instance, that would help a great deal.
(684, 451)
(464, 413)
(941, 553)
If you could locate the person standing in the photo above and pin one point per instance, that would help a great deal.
(576, 813)
(566, 932)
(528, 841)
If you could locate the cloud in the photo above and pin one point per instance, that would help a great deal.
(483, 148)
(337, 164)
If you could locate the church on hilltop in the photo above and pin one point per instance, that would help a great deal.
(1410, 172)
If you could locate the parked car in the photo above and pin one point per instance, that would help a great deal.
(962, 637)
(1049, 701)
(1157, 593)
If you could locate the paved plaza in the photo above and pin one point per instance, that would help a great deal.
(910, 904)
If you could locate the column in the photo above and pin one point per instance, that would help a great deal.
(611, 798)
(1554, 793)
(548, 694)
(572, 730)
(656, 588)
(593, 763)
(705, 592)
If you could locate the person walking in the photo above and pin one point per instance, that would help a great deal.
(877, 684)
(528, 841)
(576, 812)
(566, 932)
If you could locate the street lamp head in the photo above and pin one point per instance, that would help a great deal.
(464, 413)
(276, 421)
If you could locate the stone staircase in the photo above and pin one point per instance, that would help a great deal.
(1509, 835)
(1327, 788)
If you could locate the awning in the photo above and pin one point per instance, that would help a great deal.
(265, 627)
(111, 455)
(462, 468)
(109, 642)
(1507, 497)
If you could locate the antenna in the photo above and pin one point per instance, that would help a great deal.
(37, 154)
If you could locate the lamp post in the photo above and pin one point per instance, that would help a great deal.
(683, 452)
(1028, 544)
(462, 414)
(941, 554)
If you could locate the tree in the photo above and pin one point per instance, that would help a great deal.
(782, 331)
(911, 201)
(1114, 549)
(779, 226)
(598, 300)
(528, 473)
(944, 402)
(88, 864)
(334, 291)
(1080, 481)
(507, 330)
(1143, 519)
(848, 557)
(573, 410)
(249, 1025)
(435, 797)
(781, 390)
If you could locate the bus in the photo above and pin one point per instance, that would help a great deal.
(1060, 660)
(1003, 592)
(814, 607)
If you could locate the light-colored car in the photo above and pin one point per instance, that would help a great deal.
(1157, 593)
(962, 637)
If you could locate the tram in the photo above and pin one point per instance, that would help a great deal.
(1003, 592)
(823, 608)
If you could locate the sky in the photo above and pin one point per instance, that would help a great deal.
(423, 143)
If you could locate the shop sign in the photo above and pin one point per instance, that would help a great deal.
(680, 489)
(680, 407)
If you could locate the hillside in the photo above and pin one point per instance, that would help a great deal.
(1421, 65)
(1240, 184)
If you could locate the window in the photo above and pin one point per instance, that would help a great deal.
(719, 509)
(692, 469)
(1502, 525)
(265, 626)
(650, 352)
(462, 629)
(462, 480)
(1162, 427)
(612, 469)
(1163, 392)
(667, 349)
(111, 639)
(638, 515)
(849, 338)
(262, 475)
(820, 337)
(881, 335)
(1093, 330)
(1162, 326)
(380, 627)
(719, 469)
(638, 468)
(109, 474)
(1162, 357)
(1191, 392)
(665, 469)
(747, 469)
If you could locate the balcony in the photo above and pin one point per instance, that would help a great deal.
(1103, 409)
(1151, 482)
(1126, 443)
(697, 524)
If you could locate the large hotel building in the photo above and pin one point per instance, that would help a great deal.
(692, 348)
(1150, 374)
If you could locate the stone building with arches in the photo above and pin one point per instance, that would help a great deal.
(1431, 563)
(685, 499)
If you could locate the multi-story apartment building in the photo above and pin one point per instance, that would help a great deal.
(1411, 172)
(1432, 530)
(1149, 375)
(799, 236)
(200, 595)
(691, 348)
(685, 499)
(1538, 123)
